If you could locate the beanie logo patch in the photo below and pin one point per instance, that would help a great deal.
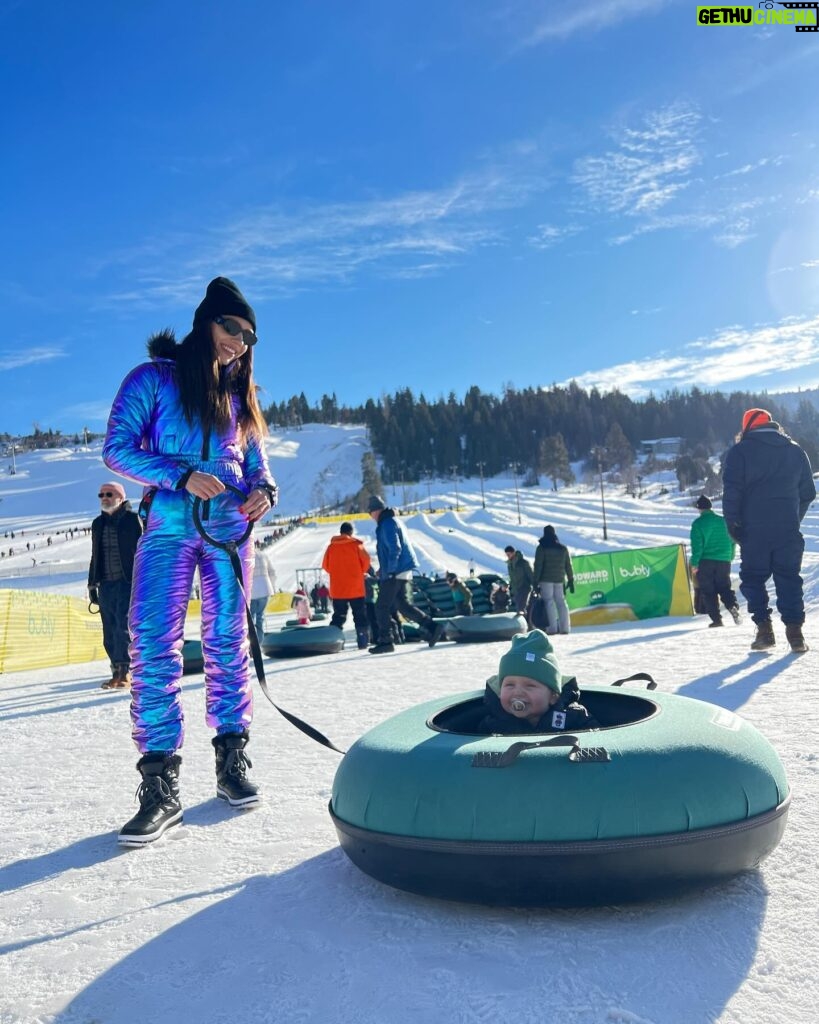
(558, 719)
(530, 656)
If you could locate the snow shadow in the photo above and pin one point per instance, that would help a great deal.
(732, 686)
(323, 942)
(82, 854)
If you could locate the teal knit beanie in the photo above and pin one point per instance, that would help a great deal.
(530, 655)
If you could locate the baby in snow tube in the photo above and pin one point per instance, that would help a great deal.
(530, 694)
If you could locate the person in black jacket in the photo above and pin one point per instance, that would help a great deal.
(530, 695)
(767, 489)
(114, 536)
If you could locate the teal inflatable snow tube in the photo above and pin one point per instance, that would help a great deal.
(670, 794)
(303, 641)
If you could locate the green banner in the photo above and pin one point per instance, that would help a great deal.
(620, 585)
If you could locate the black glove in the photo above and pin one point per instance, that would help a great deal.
(93, 595)
(571, 585)
(735, 531)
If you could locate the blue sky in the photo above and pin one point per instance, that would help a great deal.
(410, 194)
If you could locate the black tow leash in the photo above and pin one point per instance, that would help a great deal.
(232, 548)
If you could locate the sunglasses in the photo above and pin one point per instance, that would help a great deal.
(235, 329)
(106, 494)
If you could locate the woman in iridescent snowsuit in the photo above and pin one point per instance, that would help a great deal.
(186, 425)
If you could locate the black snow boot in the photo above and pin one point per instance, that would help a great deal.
(794, 634)
(158, 795)
(383, 647)
(764, 639)
(232, 783)
(434, 631)
(363, 640)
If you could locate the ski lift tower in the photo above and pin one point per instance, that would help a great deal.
(308, 578)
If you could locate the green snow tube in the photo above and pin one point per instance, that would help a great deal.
(480, 629)
(671, 794)
(303, 641)
(192, 660)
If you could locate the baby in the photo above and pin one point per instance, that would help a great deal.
(529, 694)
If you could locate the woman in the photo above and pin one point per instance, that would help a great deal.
(187, 424)
(264, 585)
(553, 573)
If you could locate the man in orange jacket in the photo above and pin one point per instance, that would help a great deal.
(346, 563)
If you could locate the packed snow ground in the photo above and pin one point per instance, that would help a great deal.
(259, 917)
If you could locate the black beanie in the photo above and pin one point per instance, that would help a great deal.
(703, 503)
(223, 298)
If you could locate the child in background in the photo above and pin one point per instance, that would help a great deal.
(461, 594)
(302, 606)
(501, 598)
(530, 695)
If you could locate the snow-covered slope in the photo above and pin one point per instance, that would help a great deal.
(258, 917)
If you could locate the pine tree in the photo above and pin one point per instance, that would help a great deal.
(554, 460)
(371, 483)
(618, 447)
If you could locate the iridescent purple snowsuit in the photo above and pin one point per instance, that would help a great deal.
(150, 440)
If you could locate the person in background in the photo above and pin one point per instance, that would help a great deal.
(301, 604)
(553, 573)
(461, 594)
(712, 552)
(396, 562)
(347, 563)
(500, 597)
(188, 425)
(370, 601)
(115, 534)
(520, 578)
(324, 596)
(264, 584)
(767, 489)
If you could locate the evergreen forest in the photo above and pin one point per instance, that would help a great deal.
(540, 431)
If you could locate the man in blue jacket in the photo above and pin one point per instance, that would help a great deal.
(767, 489)
(396, 562)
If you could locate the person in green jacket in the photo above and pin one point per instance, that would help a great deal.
(712, 552)
(520, 578)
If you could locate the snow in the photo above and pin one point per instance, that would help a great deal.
(258, 916)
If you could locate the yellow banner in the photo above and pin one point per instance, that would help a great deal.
(39, 630)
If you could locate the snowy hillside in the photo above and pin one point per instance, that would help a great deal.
(259, 917)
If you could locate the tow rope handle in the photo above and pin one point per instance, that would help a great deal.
(232, 548)
(639, 676)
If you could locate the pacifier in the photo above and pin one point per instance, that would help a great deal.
(518, 705)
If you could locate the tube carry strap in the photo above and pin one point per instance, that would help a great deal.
(232, 548)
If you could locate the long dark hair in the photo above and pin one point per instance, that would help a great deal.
(549, 538)
(206, 392)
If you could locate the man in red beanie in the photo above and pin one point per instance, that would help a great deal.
(767, 489)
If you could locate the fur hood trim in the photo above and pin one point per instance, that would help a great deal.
(163, 344)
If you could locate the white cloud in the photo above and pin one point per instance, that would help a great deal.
(735, 356)
(649, 167)
(278, 249)
(25, 357)
(563, 20)
(548, 235)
